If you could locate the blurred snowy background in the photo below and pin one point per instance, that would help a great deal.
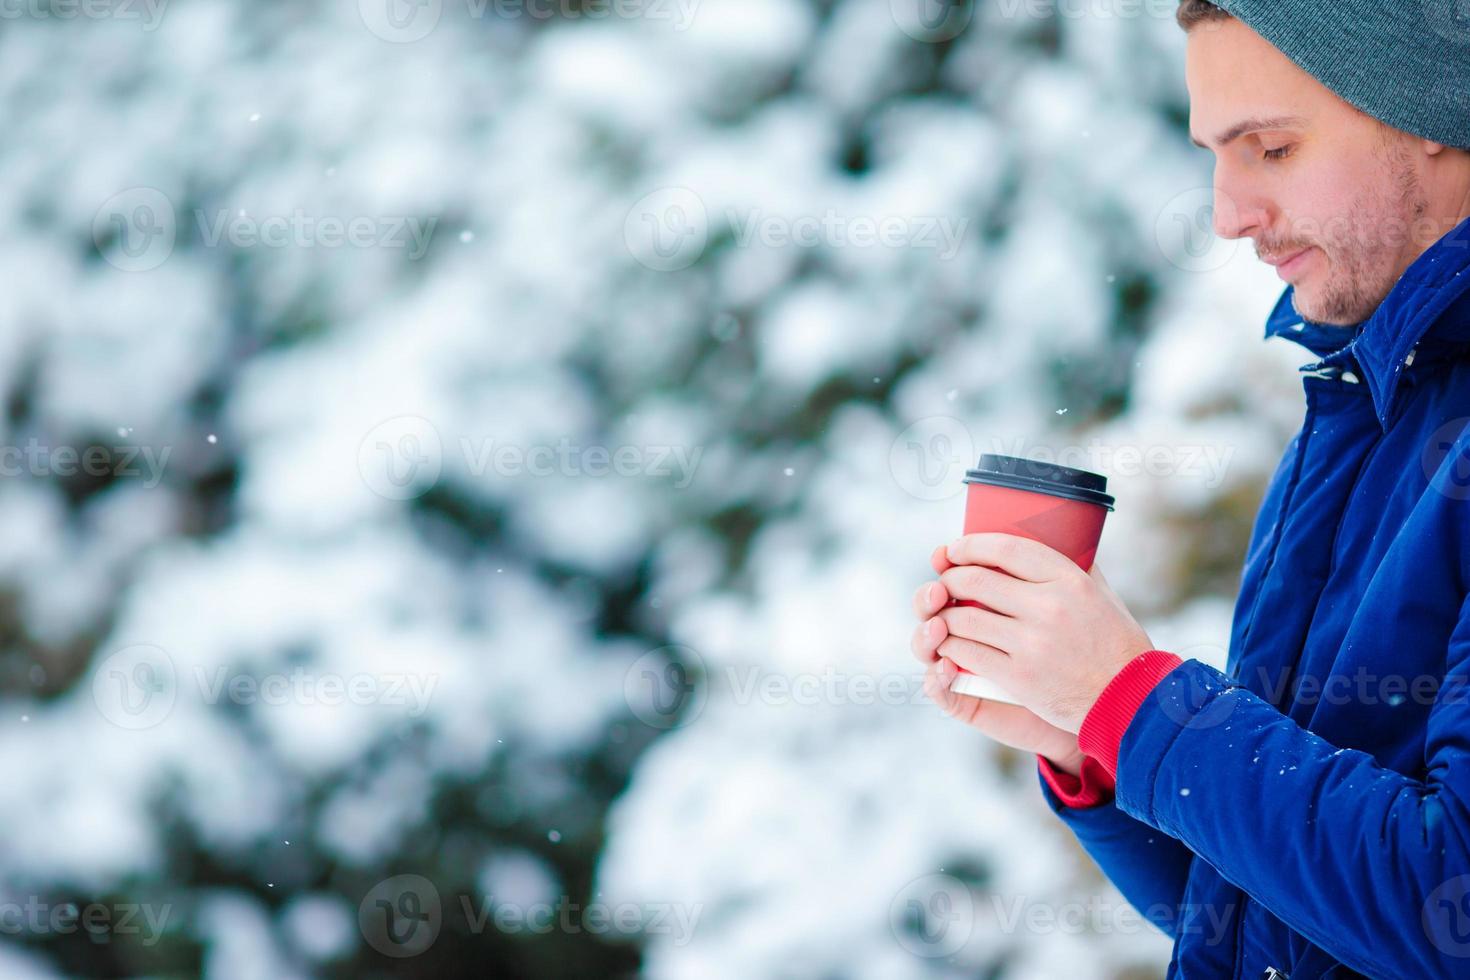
(466, 464)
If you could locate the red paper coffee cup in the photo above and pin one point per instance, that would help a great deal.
(1062, 507)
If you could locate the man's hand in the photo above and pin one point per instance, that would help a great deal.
(1052, 635)
(1006, 723)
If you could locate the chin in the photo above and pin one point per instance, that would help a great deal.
(1308, 309)
(1311, 306)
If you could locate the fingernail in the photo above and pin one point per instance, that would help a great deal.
(934, 592)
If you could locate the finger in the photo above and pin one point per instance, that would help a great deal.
(926, 639)
(929, 598)
(937, 679)
(939, 559)
(983, 626)
(1010, 724)
(1020, 557)
(978, 658)
(988, 586)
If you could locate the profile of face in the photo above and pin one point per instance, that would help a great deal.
(1340, 203)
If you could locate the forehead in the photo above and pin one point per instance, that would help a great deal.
(1238, 81)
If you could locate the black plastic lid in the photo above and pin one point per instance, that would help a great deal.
(1032, 474)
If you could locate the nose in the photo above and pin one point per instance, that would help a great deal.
(1237, 212)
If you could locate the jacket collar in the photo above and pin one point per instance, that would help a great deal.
(1429, 306)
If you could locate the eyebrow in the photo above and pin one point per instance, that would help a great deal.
(1251, 126)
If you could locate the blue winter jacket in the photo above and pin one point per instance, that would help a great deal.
(1308, 810)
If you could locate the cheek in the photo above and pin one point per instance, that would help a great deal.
(1343, 210)
(1319, 211)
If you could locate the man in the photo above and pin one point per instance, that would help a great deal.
(1306, 813)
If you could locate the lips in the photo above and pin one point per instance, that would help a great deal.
(1289, 264)
(1285, 258)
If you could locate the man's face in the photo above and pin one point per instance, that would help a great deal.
(1328, 195)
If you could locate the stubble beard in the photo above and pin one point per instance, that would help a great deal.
(1363, 267)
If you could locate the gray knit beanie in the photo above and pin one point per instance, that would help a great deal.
(1403, 62)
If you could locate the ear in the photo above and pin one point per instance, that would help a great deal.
(1432, 148)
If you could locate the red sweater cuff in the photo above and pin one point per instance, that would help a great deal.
(1092, 788)
(1102, 730)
